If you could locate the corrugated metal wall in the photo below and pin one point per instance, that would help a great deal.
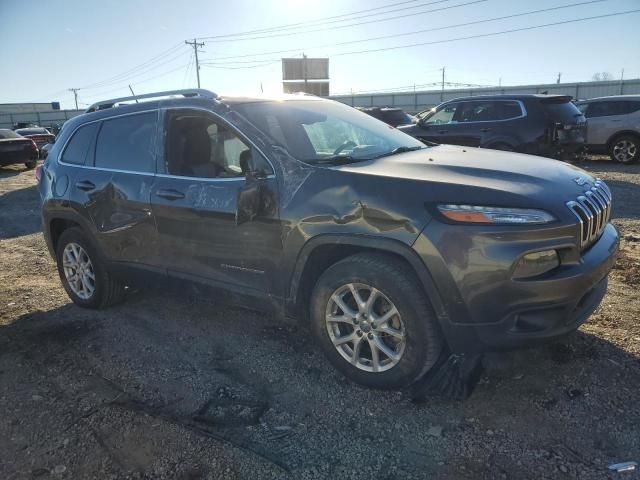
(44, 119)
(421, 100)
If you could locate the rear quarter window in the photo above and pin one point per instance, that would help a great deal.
(128, 143)
(79, 146)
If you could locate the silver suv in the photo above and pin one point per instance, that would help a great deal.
(613, 126)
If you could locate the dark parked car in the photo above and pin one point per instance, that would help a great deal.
(41, 136)
(389, 115)
(547, 125)
(613, 126)
(397, 254)
(17, 149)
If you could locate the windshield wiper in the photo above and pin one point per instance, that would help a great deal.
(397, 150)
(337, 159)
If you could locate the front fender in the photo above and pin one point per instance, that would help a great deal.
(391, 246)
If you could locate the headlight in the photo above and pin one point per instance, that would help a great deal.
(495, 215)
(536, 263)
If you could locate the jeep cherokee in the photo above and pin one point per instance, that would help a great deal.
(394, 252)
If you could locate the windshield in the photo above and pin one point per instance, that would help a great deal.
(4, 134)
(313, 131)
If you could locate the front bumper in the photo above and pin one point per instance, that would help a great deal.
(488, 310)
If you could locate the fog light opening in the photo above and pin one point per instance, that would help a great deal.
(536, 263)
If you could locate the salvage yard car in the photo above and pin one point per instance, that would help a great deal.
(547, 125)
(613, 126)
(15, 148)
(394, 252)
(389, 115)
(40, 135)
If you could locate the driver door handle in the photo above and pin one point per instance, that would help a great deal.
(170, 194)
(485, 130)
(85, 185)
(443, 131)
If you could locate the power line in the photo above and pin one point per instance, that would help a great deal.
(264, 64)
(335, 27)
(175, 56)
(126, 73)
(187, 70)
(385, 37)
(491, 34)
(319, 23)
(297, 25)
(124, 85)
(413, 88)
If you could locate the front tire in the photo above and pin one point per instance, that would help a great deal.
(373, 321)
(83, 272)
(625, 149)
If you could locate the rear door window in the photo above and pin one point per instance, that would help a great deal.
(606, 109)
(79, 148)
(128, 143)
(487, 111)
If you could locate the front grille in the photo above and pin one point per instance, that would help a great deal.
(593, 210)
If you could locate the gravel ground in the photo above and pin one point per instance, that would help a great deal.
(160, 387)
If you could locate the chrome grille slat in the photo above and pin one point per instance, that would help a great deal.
(593, 211)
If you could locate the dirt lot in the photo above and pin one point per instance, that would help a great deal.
(160, 387)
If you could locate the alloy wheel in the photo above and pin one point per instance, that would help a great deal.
(624, 151)
(78, 270)
(365, 327)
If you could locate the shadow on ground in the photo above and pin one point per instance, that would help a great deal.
(239, 381)
(19, 212)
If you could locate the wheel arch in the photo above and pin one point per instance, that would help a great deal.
(55, 224)
(321, 252)
(622, 133)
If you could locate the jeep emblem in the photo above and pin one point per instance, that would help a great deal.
(580, 181)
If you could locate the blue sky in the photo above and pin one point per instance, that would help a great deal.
(101, 46)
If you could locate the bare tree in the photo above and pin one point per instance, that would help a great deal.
(602, 76)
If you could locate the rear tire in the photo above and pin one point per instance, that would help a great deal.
(31, 164)
(411, 336)
(625, 149)
(83, 273)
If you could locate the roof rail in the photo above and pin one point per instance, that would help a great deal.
(192, 92)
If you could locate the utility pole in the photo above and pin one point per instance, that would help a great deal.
(621, 81)
(442, 89)
(195, 46)
(559, 77)
(304, 72)
(75, 95)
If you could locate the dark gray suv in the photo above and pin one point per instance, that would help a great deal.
(396, 254)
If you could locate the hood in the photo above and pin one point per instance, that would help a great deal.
(474, 175)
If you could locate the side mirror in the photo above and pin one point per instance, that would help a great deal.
(250, 194)
(252, 170)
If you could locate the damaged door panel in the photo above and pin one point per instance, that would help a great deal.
(216, 221)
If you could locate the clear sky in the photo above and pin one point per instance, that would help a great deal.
(102, 46)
